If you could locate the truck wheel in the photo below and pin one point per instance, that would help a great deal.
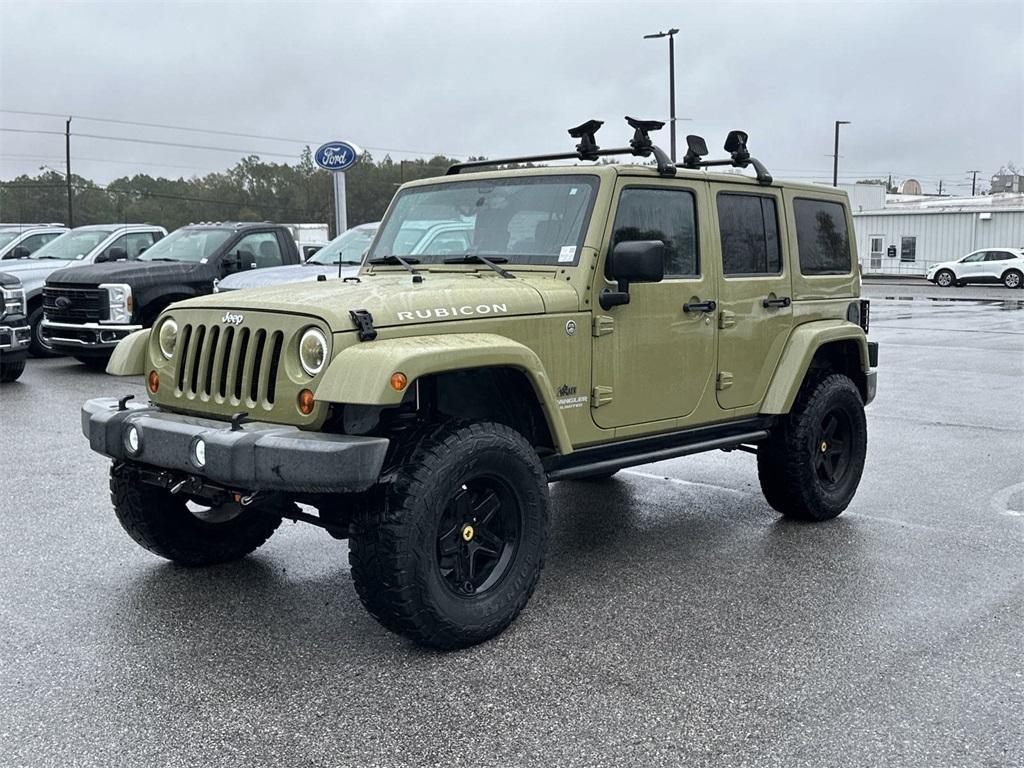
(38, 346)
(811, 464)
(944, 278)
(170, 527)
(448, 550)
(10, 370)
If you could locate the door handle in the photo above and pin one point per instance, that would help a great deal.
(700, 306)
(781, 302)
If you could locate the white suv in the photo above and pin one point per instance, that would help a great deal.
(992, 265)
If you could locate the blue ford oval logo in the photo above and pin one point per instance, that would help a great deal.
(336, 156)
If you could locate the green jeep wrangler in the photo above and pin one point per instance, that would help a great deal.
(585, 318)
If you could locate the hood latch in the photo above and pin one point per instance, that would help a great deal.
(364, 324)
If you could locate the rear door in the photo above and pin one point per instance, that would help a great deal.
(755, 312)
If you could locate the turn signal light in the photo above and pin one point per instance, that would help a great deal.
(399, 381)
(153, 381)
(306, 402)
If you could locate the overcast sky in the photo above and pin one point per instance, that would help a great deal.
(932, 89)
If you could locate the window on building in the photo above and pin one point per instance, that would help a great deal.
(668, 215)
(749, 228)
(822, 237)
(908, 249)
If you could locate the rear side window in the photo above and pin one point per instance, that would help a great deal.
(668, 215)
(749, 227)
(822, 237)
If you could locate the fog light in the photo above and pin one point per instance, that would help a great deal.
(154, 381)
(131, 440)
(399, 381)
(306, 402)
(199, 452)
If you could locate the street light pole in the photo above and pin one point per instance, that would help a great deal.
(67, 158)
(671, 85)
(835, 157)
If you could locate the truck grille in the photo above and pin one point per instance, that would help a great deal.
(228, 364)
(75, 305)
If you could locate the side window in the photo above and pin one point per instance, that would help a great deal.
(260, 248)
(749, 228)
(35, 242)
(908, 249)
(979, 256)
(822, 237)
(138, 242)
(669, 215)
(997, 256)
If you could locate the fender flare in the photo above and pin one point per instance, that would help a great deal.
(804, 342)
(361, 374)
(129, 357)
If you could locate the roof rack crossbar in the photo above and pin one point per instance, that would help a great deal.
(739, 156)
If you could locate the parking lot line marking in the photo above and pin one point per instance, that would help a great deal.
(677, 481)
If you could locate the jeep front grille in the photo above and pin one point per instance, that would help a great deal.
(228, 364)
(74, 305)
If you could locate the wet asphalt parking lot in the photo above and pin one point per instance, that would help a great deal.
(679, 621)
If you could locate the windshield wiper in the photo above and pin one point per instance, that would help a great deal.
(396, 259)
(159, 258)
(476, 258)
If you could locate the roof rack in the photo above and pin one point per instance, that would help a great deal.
(587, 149)
(735, 145)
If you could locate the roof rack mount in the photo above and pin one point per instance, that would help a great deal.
(640, 146)
(735, 145)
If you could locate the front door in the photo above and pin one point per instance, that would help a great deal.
(755, 310)
(877, 248)
(653, 357)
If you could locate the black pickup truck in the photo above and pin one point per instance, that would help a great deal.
(14, 329)
(88, 310)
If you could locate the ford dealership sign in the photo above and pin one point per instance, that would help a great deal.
(336, 156)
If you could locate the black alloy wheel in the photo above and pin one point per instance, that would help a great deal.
(831, 449)
(478, 535)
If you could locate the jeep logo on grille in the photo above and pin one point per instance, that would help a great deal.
(62, 302)
(232, 318)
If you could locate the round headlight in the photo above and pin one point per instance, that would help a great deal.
(313, 351)
(167, 337)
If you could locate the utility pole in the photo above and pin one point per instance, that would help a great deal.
(671, 85)
(67, 158)
(835, 157)
(940, 187)
(974, 181)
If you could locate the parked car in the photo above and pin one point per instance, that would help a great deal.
(339, 258)
(89, 309)
(18, 241)
(14, 330)
(991, 265)
(76, 248)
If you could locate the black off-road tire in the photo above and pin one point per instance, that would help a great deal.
(163, 524)
(396, 545)
(802, 476)
(10, 370)
(36, 346)
(945, 278)
(1013, 278)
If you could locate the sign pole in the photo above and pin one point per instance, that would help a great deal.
(340, 204)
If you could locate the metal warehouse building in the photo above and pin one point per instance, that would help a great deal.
(904, 234)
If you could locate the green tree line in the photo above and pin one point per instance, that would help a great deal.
(251, 190)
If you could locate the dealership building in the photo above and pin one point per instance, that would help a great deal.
(905, 234)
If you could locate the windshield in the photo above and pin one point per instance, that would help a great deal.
(72, 245)
(6, 237)
(187, 245)
(348, 248)
(524, 220)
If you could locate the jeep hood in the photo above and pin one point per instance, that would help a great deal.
(395, 300)
(134, 273)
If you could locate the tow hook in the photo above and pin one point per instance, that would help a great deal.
(245, 501)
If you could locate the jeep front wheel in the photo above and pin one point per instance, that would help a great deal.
(811, 464)
(449, 549)
(186, 533)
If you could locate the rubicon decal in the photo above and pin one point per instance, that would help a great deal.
(443, 313)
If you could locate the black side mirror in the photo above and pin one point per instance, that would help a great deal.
(20, 252)
(635, 261)
(117, 254)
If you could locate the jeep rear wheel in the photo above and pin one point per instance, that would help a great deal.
(811, 464)
(448, 551)
(944, 278)
(184, 532)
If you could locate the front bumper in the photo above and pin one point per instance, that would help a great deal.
(81, 338)
(14, 338)
(257, 457)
